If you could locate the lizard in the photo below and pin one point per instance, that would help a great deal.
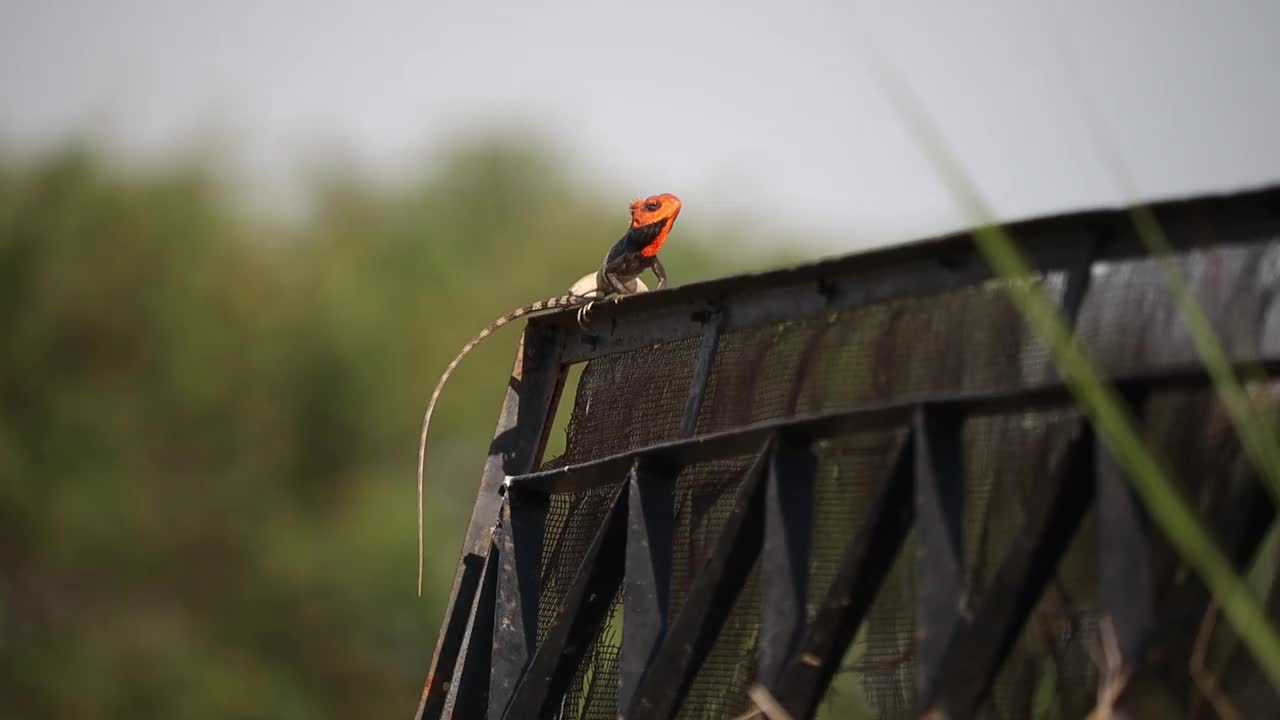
(619, 275)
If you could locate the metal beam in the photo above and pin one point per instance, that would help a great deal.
(646, 598)
(1126, 577)
(435, 690)
(711, 329)
(784, 560)
(866, 562)
(1048, 395)
(532, 392)
(578, 617)
(519, 587)
(975, 653)
(471, 694)
(714, 589)
(941, 586)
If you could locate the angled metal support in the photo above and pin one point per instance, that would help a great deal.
(646, 593)
(940, 580)
(1238, 515)
(532, 392)
(471, 695)
(784, 560)
(519, 586)
(461, 605)
(1079, 277)
(1126, 576)
(975, 653)
(715, 588)
(866, 562)
(578, 617)
(714, 325)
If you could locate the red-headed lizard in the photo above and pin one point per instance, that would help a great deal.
(619, 275)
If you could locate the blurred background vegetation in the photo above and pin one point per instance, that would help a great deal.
(208, 421)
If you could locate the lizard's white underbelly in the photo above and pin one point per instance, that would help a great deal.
(588, 285)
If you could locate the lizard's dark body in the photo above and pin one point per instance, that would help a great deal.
(627, 258)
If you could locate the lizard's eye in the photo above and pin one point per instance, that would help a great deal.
(653, 205)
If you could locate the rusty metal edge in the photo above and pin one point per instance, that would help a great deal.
(533, 391)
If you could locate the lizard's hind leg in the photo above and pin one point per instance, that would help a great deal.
(582, 315)
(585, 310)
(590, 297)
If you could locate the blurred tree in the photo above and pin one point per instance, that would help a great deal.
(208, 424)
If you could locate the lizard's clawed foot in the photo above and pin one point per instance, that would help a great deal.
(585, 310)
(582, 314)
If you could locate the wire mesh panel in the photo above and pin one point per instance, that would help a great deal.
(1010, 459)
(572, 522)
(703, 492)
(966, 340)
(643, 391)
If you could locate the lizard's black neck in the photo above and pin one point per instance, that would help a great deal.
(625, 261)
(636, 239)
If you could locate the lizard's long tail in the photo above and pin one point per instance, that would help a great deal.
(548, 304)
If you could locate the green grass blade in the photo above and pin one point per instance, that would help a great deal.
(1255, 426)
(1099, 401)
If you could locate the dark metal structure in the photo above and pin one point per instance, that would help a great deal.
(864, 477)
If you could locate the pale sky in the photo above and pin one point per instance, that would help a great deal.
(747, 110)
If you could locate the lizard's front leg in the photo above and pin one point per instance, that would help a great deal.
(615, 287)
(660, 271)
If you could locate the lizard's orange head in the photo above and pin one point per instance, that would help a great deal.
(654, 209)
(654, 215)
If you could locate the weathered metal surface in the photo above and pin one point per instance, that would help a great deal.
(646, 595)
(784, 560)
(714, 590)
(1125, 573)
(532, 392)
(471, 694)
(518, 589)
(974, 654)
(712, 327)
(1049, 394)
(941, 592)
(436, 688)
(577, 619)
(863, 567)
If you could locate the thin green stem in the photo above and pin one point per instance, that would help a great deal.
(1174, 517)
(1098, 399)
(1255, 427)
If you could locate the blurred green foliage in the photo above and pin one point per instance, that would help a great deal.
(208, 423)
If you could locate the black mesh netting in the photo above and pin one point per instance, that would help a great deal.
(704, 492)
(967, 340)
